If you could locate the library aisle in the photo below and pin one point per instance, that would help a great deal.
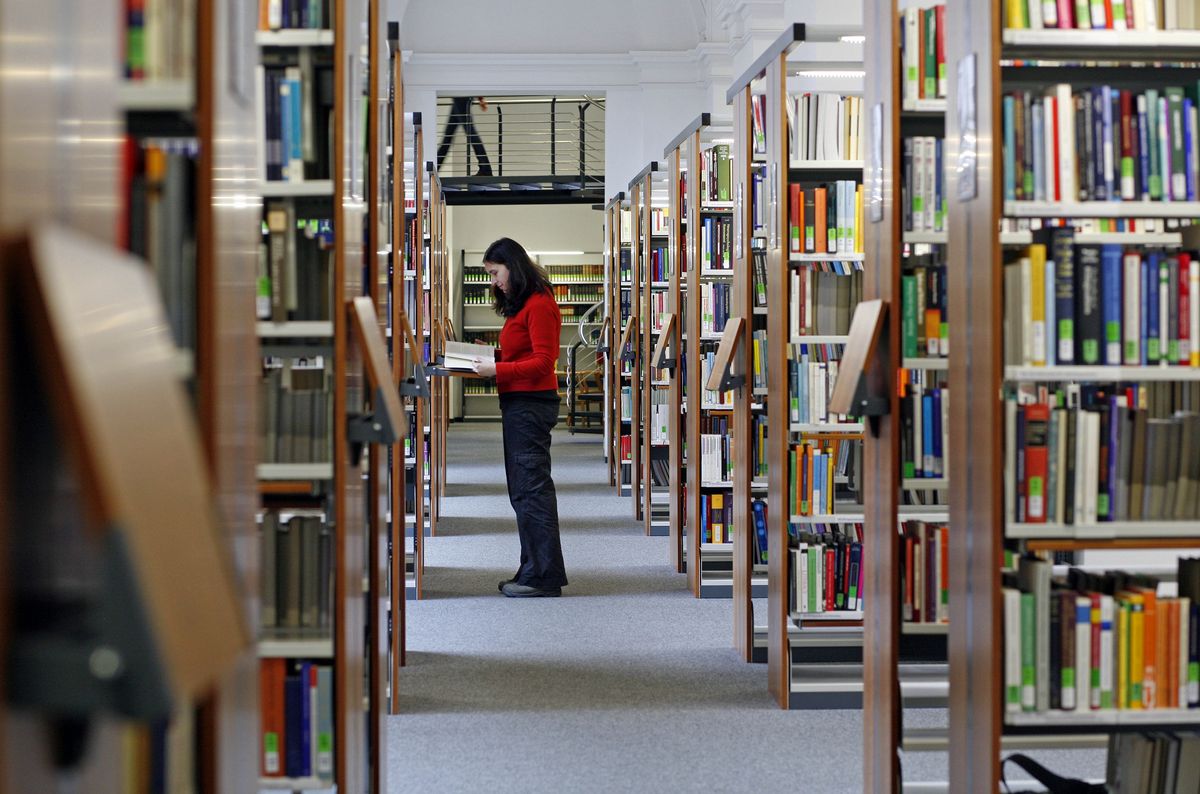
(625, 683)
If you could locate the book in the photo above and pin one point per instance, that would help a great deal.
(460, 356)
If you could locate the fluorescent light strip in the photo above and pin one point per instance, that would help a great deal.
(854, 39)
(555, 253)
(831, 73)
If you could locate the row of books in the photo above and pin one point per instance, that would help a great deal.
(1101, 144)
(660, 471)
(660, 414)
(923, 185)
(825, 127)
(825, 218)
(710, 398)
(822, 302)
(1086, 456)
(925, 425)
(716, 457)
(160, 40)
(295, 411)
(827, 570)
(758, 359)
(660, 221)
(295, 107)
(925, 572)
(923, 52)
(1140, 762)
(716, 298)
(474, 386)
(1090, 642)
(716, 175)
(478, 297)
(296, 571)
(924, 326)
(814, 469)
(1102, 14)
(716, 242)
(758, 445)
(296, 719)
(625, 266)
(716, 517)
(577, 293)
(1101, 305)
(658, 265)
(159, 225)
(812, 372)
(626, 403)
(294, 266)
(658, 301)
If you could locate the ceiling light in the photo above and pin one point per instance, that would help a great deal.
(854, 39)
(555, 253)
(722, 140)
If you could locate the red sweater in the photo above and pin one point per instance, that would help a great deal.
(529, 344)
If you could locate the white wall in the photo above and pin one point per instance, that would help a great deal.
(538, 227)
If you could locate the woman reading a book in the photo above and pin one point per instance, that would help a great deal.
(528, 386)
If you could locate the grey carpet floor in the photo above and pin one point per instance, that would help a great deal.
(625, 684)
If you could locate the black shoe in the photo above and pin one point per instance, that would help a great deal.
(484, 170)
(506, 581)
(514, 590)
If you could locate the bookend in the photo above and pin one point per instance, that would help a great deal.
(852, 394)
(417, 384)
(870, 407)
(722, 378)
(371, 428)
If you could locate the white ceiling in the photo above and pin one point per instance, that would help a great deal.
(522, 27)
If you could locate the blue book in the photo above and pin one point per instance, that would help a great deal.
(1189, 156)
(939, 468)
(760, 529)
(295, 750)
(285, 124)
(939, 190)
(1150, 318)
(1037, 132)
(1143, 154)
(1096, 166)
(927, 434)
(1010, 148)
(1110, 291)
(306, 719)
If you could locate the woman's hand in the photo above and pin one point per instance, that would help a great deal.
(485, 369)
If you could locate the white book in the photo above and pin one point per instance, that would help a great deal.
(1164, 146)
(1119, 15)
(1066, 143)
(1083, 652)
(1049, 123)
(1060, 485)
(1034, 12)
(912, 49)
(1131, 314)
(1093, 466)
(802, 583)
(1028, 352)
(1081, 441)
(1170, 20)
(1164, 309)
(460, 356)
(930, 181)
(1049, 13)
(1107, 653)
(1098, 14)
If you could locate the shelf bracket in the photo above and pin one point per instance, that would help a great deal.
(852, 394)
(369, 428)
(628, 352)
(721, 377)
(660, 360)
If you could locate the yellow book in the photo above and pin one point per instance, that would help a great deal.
(1037, 263)
(1122, 687)
(1137, 648)
(829, 490)
(718, 527)
(859, 245)
(1014, 16)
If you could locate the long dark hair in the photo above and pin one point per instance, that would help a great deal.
(524, 277)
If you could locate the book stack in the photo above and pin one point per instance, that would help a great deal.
(715, 300)
(812, 372)
(716, 517)
(295, 263)
(825, 127)
(709, 398)
(923, 185)
(282, 14)
(827, 571)
(716, 450)
(295, 107)
(295, 408)
(923, 53)
(816, 467)
(924, 318)
(296, 720)
(925, 425)
(822, 301)
(825, 218)
(1096, 453)
(296, 572)
(160, 40)
(716, 242)
(715, 175)
(1101, 305)
(1101, 143)
(1089, 642)
(1102, 14)
(925, 578)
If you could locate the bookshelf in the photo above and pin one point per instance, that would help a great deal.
(655, 269)
(622, 328)
(437, 290)
(797, 224)
(639, 213)
(999, 383)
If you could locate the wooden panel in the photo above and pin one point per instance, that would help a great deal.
(976, 415)
(227, 364)
(647, 372)
(694, 387)
(350, 762)
(742, 315)
(7, 353)
(881, 453)
(778, 646)
(675, 418)
(400, 361)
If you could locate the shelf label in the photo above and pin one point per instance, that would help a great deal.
(967, 139)
(874, 174)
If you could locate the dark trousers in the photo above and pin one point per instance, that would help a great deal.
(527, 423)
(460, 116)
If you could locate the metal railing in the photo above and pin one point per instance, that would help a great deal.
(561, 137)
(585, 405)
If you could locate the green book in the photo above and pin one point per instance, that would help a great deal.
(1178, 186)
(1156, 185)
(930, 53)
(721, 150)
(908, 317)
(1028, 653)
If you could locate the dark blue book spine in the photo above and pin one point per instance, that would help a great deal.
(1019, 491)
(1193, 653)
(927, 434)
(939, 468)
(1108, 156)
(294, 749)
(1143, 154)
(1110, 268)
(1098, 129)
(306, 719)
(1189, 156)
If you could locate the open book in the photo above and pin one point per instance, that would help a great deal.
(461, 355)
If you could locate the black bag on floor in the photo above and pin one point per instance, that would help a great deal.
(1055, 784)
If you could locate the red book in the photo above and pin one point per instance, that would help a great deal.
(1066, 14)
(1095, 691)
(271, 673)
(921, 55)
(830, 574)
(1108, 15)
(909, 601)
(1185, 310)
(1037, 423)
(1127, 186)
